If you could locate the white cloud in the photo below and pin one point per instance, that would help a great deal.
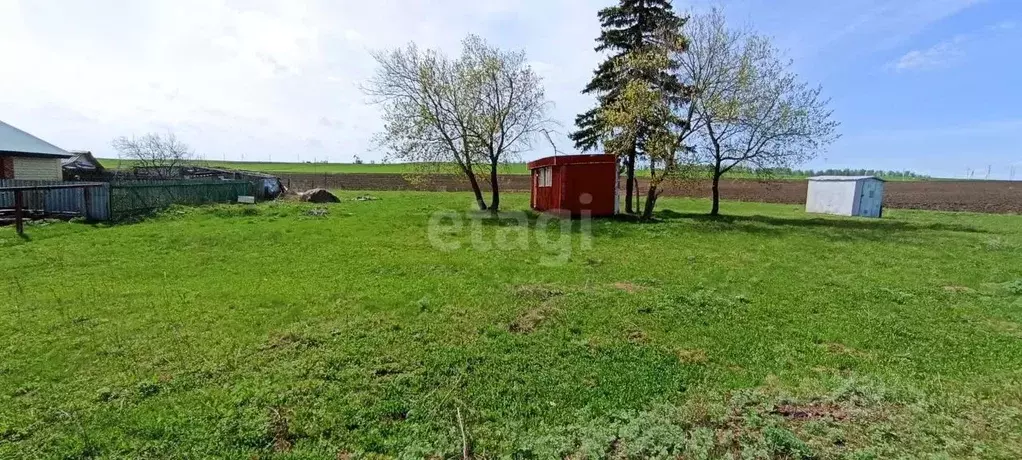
(353, 35)
(255, 79)
(905, 18)
(842, 31)
(947, 52)
(940, 55)
(260, 79)
(1004, 25)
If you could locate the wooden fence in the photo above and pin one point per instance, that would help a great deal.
(90, 202)
(134, 198)
(111, 201)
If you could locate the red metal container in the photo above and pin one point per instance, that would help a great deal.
(575, 184)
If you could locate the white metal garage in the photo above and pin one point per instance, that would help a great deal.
(846, 195)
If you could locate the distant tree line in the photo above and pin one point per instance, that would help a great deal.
(855, 172)
(790, 172)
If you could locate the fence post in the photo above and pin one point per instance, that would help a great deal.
(105, 212)
(18, 204)
(87, 193)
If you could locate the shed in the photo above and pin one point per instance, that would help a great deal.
(575, 184)
(26, 157)
(846, 196)
(82, 165)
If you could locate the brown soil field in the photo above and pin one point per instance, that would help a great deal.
(939, 195)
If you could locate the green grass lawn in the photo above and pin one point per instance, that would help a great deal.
(280, 331)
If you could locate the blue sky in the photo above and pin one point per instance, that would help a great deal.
(925, 85)
(932, 89)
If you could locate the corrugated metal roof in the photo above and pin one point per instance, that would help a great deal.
(571, 159)
(14, 140)
(844, 178)
(82, 160)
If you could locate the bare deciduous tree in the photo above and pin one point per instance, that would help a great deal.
(158, 154)
(748, 106)
(483, 109)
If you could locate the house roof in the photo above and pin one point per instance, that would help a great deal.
(17, 142)
(844, 178)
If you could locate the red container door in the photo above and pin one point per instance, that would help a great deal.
(543, 185)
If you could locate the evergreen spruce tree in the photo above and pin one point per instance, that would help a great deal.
(627, 28)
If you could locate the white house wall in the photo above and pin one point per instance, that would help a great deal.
(858, 198)
(832, 197)
(28, 168)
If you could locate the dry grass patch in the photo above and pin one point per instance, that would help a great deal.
(630, 288)
(842, 349)
(811, 411)
(537, 292)
(693, 356)
(280, 429)
(638, 337)
(1006, 327)
(291, 340)
(766, 422)
(543, 297)
(532, 318)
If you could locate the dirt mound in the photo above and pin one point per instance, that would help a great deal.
(319, 195)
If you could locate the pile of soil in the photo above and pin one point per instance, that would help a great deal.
(319, 195)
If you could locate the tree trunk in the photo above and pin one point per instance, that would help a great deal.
(475, 189)
(495, 187)
(651, 196)
(630, 182)
(636, 194)
(715, 210)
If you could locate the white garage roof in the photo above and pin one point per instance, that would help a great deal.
(844, 178)
(16, 141)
